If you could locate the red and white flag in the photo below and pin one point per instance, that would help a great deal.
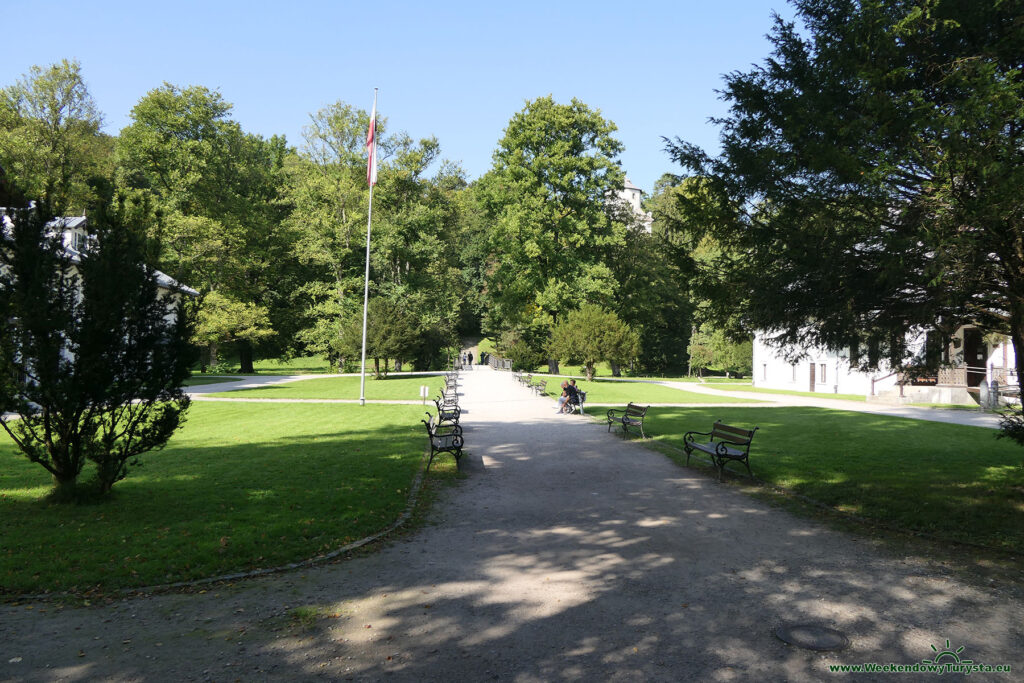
(371, 146)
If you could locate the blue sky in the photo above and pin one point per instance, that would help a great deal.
(456, 70)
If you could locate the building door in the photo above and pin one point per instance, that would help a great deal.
(974, 356)
(812, 377)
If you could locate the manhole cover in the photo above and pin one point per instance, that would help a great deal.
(812, 637)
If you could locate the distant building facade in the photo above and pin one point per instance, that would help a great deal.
(962, 362)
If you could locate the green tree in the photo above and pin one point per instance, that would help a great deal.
(391, 333)
(701, 350)
(221, 319)
(591, 334)
(92, 355)
(552, 225)
(50, 140)
(712, 348)
(414, 248)
(221, 191)
(870, 177)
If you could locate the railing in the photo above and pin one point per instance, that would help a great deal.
(879, 379)
(499, 363)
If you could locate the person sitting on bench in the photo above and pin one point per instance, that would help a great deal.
(570, 395)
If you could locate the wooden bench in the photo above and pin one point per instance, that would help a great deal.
(633, 416)
(725, 443)
(447, 413)
(577, 405)
(540, 386)
(443, 439)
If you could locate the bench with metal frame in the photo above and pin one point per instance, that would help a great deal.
(632, 416)
(443, 439)
(577, 405)
(447, 413)
(725, 444)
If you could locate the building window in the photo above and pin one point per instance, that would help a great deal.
(792, 368)
(821, 373)
(764, 371)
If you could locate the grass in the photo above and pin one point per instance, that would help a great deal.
(610, 391)
(950, 481)
(303, 365)
(392, 388)
(241, 486)
(787, 392)
(199, 380)
(485, 345)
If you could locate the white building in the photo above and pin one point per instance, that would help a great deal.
(632, 196)
(964, 361)
(76, 240)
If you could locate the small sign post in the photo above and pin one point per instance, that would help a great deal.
(424, 390)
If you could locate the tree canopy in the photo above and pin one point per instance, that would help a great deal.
(871, 175)
(552, 225)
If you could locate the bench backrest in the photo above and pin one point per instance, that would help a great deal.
(633, 410)
(430, 423)
(730, 434)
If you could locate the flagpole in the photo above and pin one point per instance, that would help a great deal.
(371, 172)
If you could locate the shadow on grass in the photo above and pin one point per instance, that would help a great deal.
(194, 510)
(947, 480)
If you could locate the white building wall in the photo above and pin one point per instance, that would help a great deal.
(832, 372)
(773, 371)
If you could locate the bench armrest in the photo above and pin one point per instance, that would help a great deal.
(688, 437)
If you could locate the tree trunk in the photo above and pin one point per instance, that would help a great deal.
(376, 368)
(616, 369)
(245, 357)
(552, 366)
(64, 488)
(590, 370)
(1017, 335)
(212, 348)
(398, 365)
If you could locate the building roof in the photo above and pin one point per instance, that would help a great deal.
(79, 222)
(630, 186)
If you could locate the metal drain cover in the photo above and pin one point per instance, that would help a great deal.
(812, 637)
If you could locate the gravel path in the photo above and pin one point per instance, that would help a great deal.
(566, 554)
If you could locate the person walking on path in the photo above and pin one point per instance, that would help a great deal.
(469, 357)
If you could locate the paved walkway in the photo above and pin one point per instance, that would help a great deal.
(565, 554)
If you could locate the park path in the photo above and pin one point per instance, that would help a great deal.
(565, 554)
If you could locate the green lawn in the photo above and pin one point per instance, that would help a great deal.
(947, 480)
(814, 394)
(611, 391)
(241, 486)
(199, 380)
(392, 388)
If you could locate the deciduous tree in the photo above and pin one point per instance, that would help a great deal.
(552, 225)
(50, 139)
